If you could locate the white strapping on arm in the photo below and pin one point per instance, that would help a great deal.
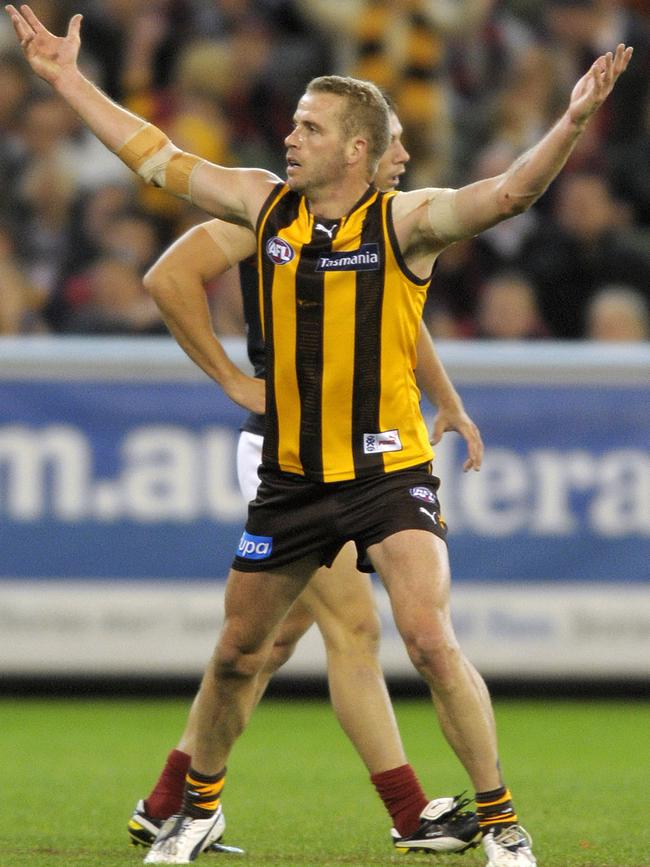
(235, 242)
(443, 217)
(151, 154)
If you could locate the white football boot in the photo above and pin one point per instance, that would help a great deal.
(510, 847)
(182, 839)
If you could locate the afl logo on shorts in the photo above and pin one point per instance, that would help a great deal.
(254, 547)
(279, 251)
(424, 494)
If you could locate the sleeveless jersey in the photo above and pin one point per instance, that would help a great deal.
(340, 312)
(254, 422)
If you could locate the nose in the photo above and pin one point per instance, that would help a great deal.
(292, 139)
(403, 156)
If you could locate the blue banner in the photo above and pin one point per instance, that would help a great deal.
(118, 480)
(564, 493)
(136, 480)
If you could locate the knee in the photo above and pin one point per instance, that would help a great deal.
(236, 661)
(436, 655)
(293, 627)
(356, 636)
(281, 652)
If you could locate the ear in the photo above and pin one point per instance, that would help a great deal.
(357, 151)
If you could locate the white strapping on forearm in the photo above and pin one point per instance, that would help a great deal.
(153, 169)
(150, 153)
(143, 126)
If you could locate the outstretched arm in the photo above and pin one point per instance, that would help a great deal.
(444, 216)
(530, 175)
(235, 195)
(177, 281)
(433, 380)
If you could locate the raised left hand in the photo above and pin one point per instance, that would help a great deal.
(595, 86)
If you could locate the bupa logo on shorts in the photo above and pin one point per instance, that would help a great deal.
(255, 547)
(385, 441)
(365, 258)
(279, 251)
(424, 494)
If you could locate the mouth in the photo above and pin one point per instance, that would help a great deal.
(292, 164)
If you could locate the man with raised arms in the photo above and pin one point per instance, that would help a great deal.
(339, 599)
(346, 451)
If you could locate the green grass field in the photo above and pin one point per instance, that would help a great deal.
(297, 793)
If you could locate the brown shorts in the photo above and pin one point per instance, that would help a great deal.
(292, 517)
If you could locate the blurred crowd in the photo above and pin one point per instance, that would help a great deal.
(476, 82)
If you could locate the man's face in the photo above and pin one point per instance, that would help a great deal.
(394, 159)
(316, 155)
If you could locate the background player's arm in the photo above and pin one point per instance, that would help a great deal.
(438, 217)
(177, 281)
(433, 380)
(235, 195)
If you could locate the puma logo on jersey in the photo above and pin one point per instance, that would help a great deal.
(329, 232)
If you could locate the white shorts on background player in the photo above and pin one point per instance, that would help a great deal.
(249, 457)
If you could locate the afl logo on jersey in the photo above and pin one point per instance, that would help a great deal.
(279, 251)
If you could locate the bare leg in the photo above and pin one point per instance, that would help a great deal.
(414, 567)
(341, 602)
(343, 606)
(293, 627)
(254, 607)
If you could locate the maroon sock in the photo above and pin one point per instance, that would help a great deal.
(166, 797)
(402, 794)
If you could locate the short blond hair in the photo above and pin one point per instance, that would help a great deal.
(366, 111)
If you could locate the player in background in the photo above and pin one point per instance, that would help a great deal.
(339, 600)
(343, 431)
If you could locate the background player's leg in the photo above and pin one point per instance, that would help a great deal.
(342, 604)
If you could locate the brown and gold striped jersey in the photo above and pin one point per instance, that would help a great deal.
(341, 315)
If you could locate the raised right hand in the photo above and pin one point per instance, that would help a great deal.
(48, 55)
